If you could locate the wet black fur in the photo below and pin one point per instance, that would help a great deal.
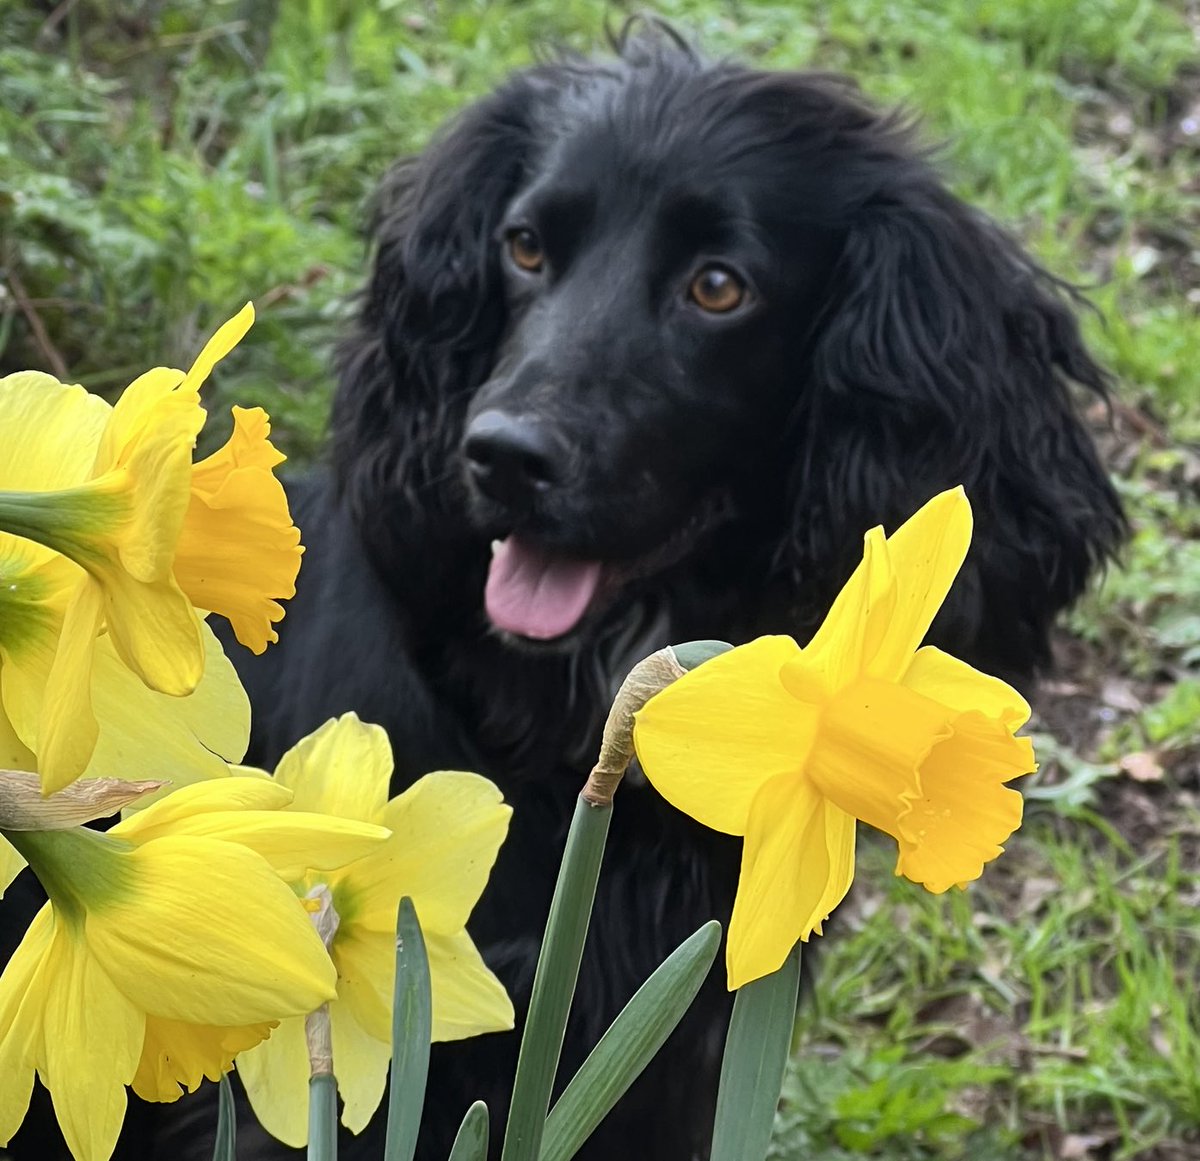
(899, 343)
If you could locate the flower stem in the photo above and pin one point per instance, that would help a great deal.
(756, 1053)
(554, 983)
(322, 1117)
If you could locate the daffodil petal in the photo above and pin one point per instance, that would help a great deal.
(68, 730)
(964, 812)
(11, 865)
(838, 650)
(14, 754)
(68, 422)
(275, 1076)
(177, 1056)
(260, 961)
(787, 880)
(467, 998)
(874, 736)
(155, 631)
(710, 741)
(924, 554)
(175, 809)
(22, 995)
(292, 843)
(360, 1062)
(227, 336)
(960, 686)
(446, 831)
(144, 734)
(366, 968)
(93, 1039)
(344, 769)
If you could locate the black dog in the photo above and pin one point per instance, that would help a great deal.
(648, 344)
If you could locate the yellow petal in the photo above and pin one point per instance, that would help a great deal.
(874, 736)
(175, 809)
(790, 879)
(714, 738)
(23, 988)
(838, 650)
(366, 968)
(11, 864)
(925, 554)
(275, 1076)
(155, 631)
(178, 1056)
(963, 688)
(144, 734)
(242, 949)
(446, 831)
(93, 1038)
(133, 413)
(964, 812)
(14, 754)
(292, 843)
(344, 768)
(239, 549)
(361, 1064)
(68, 730)
(228, 336)
(155, 471)
(467, 998)
(49, 432)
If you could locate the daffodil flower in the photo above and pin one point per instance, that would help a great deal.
(446, 830)
(119, 541)
(169, 944)
(789, 746)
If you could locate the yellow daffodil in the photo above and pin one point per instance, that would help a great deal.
(446, 830)
(119, 540)
(789, 746)
(169, 945)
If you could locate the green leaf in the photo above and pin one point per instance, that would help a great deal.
(412, 1029)
(693, 653)
(225, 1147)
(471, 1143)
(630, 1043)
(322, 1118)
(554, 983)
(756, 1052)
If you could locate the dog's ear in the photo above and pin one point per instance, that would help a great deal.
(947, 356)
(433, 310)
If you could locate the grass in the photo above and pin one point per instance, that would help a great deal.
(160, 162)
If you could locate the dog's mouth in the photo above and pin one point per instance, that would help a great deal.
(542, 594)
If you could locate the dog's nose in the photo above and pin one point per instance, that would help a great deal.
(511, 457)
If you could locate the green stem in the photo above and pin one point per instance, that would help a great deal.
(322, 1117)
(554, 983)
(756, 1054)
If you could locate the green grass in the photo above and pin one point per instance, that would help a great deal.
(158, 169)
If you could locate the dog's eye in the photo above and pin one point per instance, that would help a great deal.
(526, 250)
(717, 290)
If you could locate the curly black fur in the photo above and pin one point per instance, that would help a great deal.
(897, 343)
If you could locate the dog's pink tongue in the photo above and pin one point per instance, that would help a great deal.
(537, 595)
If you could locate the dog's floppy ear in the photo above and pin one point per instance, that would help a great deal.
(432, 312)
(946, 357)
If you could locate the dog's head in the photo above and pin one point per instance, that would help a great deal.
(622, 304)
